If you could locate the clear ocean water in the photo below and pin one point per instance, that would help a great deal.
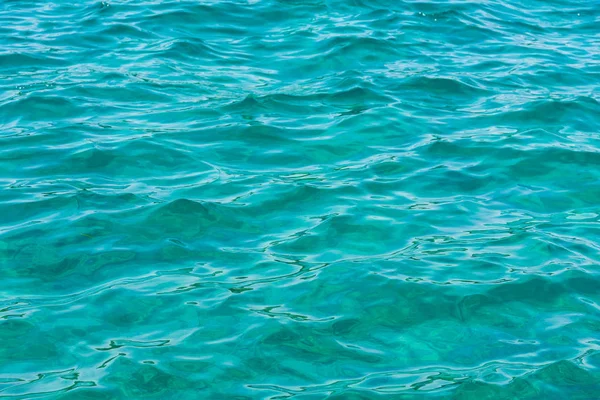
(309, 199)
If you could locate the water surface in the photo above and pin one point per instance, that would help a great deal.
(313, 199)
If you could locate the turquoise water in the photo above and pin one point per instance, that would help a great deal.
(312, 199)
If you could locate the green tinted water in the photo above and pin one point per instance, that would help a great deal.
(311, 199)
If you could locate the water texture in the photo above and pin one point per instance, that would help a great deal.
(343, 199)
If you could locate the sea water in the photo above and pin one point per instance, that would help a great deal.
(343, 199)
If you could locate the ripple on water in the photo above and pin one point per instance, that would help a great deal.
(319, 199)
